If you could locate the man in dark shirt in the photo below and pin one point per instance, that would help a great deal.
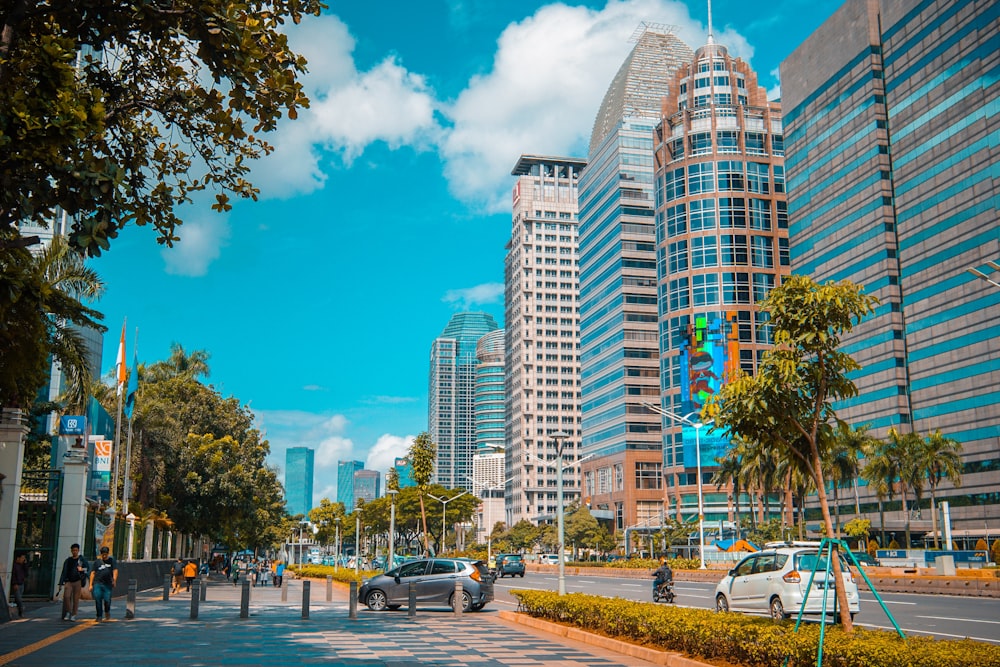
(103, 577)
(662, 574)
(72, 579)
(18, 577)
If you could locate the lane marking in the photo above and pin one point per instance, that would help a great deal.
(873, 601)
(48, 641)
(930, 632)
(967, 620)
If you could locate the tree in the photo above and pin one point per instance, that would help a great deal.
(581, 528)
(842, 464)
(423, 453)
(181, 364)
(939, 458)
(154, 101)
(790, 399)
(41, 303)
(730, 471)
(392, 479)
(892, 462)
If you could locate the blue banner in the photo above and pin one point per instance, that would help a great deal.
(73, 425)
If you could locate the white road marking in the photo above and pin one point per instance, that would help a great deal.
(967, 620)
(581, 581)
(873, 601)
(632, 585)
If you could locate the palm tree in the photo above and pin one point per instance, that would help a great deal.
(731, 472)
(423, 452)
(180, 364)
(939, 458)
(880, 473)
(894, 462)
(842, 463)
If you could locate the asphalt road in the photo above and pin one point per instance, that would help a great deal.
(943, 616)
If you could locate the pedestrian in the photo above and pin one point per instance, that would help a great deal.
(103, 578)
(72, 579)
(18, 577)
(279, 573)
(190, 572)
(178, 571)
(254, 573)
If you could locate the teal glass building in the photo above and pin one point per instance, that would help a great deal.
(299, 480)
(345, 483)
(892, 117)
(489, 396)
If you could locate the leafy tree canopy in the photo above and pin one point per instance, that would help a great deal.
(116, 111)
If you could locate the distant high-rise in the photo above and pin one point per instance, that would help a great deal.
(404, 472)
(892, 114)
(722, 246)
(299, 480)
(367, 485)
(542, 336)
(489, 393)
(619, 331)
(451, 396)
(345, 483)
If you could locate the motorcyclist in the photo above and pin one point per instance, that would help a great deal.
(662, 575)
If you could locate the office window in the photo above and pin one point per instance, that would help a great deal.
(757, 178)
(735, 288)
(702, 214)
(763, 283)
(705, 290)
(762, 252)
(676, 220)
(701, 178)
(619, 471)
(704, 252)
(732, 212)
(778, 144)
(701, 142)
(673, 184)
(779, 178)
(784, 257)
(679, 295)
(760, 214)
(744, 326)
(755, 142)
(782, 211)
(726, 139)
(676, 148)
(730, 175)
(734, 250)
(678, 256)
(648, 475)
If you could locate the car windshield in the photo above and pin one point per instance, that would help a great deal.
(807, 562)
(513, 558)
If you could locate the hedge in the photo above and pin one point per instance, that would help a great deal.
(321, 571)
(641, 563)
(746, 640)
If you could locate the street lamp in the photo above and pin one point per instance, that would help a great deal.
(302, 530)
(444, 508)
(559, 436)
(696, 425)
(336, 545)
(357, 543)
(982, 276)
(392, 530)
(131, 534)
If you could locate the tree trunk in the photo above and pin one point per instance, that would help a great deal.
(423, 516)
(836, 512)
(838, 574)
(934, 523)
(906, 517)
(857, 499)
(881, 521)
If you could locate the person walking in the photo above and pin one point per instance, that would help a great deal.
(18, 577)
(178, 571)
(72, 579)
(190, 572)
(279, 573)
(103, 577)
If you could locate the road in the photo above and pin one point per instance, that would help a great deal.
(943, 616)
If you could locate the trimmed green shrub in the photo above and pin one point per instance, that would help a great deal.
(995, 552)
(321, 571)
(746, 640)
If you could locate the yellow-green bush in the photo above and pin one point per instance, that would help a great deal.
(749, 641)
(321, 572)
(643, 563)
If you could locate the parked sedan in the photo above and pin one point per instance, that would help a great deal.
(775, 581)
(434, 581)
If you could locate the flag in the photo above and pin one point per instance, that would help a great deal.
(120, 368)
(133, 386)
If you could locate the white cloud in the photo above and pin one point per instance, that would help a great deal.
(202, 237)
(774, 92)
(469, 297)
(386, 449)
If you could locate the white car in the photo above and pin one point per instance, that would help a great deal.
(774, 582)
(549, 559)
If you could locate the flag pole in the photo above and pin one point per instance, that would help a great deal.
(119, 366)
(126, 490)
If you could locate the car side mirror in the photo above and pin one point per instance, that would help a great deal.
(732, 572)
(396, 578)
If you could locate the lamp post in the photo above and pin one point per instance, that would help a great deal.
(982, 276)
(357, 544)
(392, 530)
(302, 530)
(559, 436)
(131, 534)
(696, 425)
(336, 545)
(444, 508)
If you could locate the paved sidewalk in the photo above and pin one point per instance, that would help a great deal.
(276, 634)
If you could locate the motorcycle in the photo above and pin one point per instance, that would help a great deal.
(664, 592)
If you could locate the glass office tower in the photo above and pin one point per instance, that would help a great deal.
(299, 480)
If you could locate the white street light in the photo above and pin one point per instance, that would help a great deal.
(390, 563)
(131, 533)
(444, 508)
(559, 436)
(696, 425)
(357, 544)
(336, 546)
(982, 276)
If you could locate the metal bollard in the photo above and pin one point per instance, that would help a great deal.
(305, 598)
(133, 586)
(352, 608)
(167, 585)
(456, 600)
(245, 600)
(411, 609)
(204, 586)
(195, 597)
(329, 588)
(284, 591)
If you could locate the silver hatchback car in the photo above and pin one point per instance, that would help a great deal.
(774, 581)
(434, 583)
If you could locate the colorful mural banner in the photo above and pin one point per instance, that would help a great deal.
(705, 362)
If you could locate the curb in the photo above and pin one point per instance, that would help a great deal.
(655, 656)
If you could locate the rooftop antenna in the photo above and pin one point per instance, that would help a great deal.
(711, 37)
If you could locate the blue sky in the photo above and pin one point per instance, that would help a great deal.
(385, 208)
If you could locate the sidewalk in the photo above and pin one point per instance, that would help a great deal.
(162, 633)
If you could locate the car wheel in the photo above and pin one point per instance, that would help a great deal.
(522, 575)
(721, 603)
(393, 607)
(477, 607)
(376, 600)
(466, 601)
(777, 609)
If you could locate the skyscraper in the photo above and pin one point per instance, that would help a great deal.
(542, 336)
(404, 472)
(722, 246)
(299, 480)
(489, 390)
(891, 109)
(345, 483)
(618, 295)
(367, 485)
(451, 396)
